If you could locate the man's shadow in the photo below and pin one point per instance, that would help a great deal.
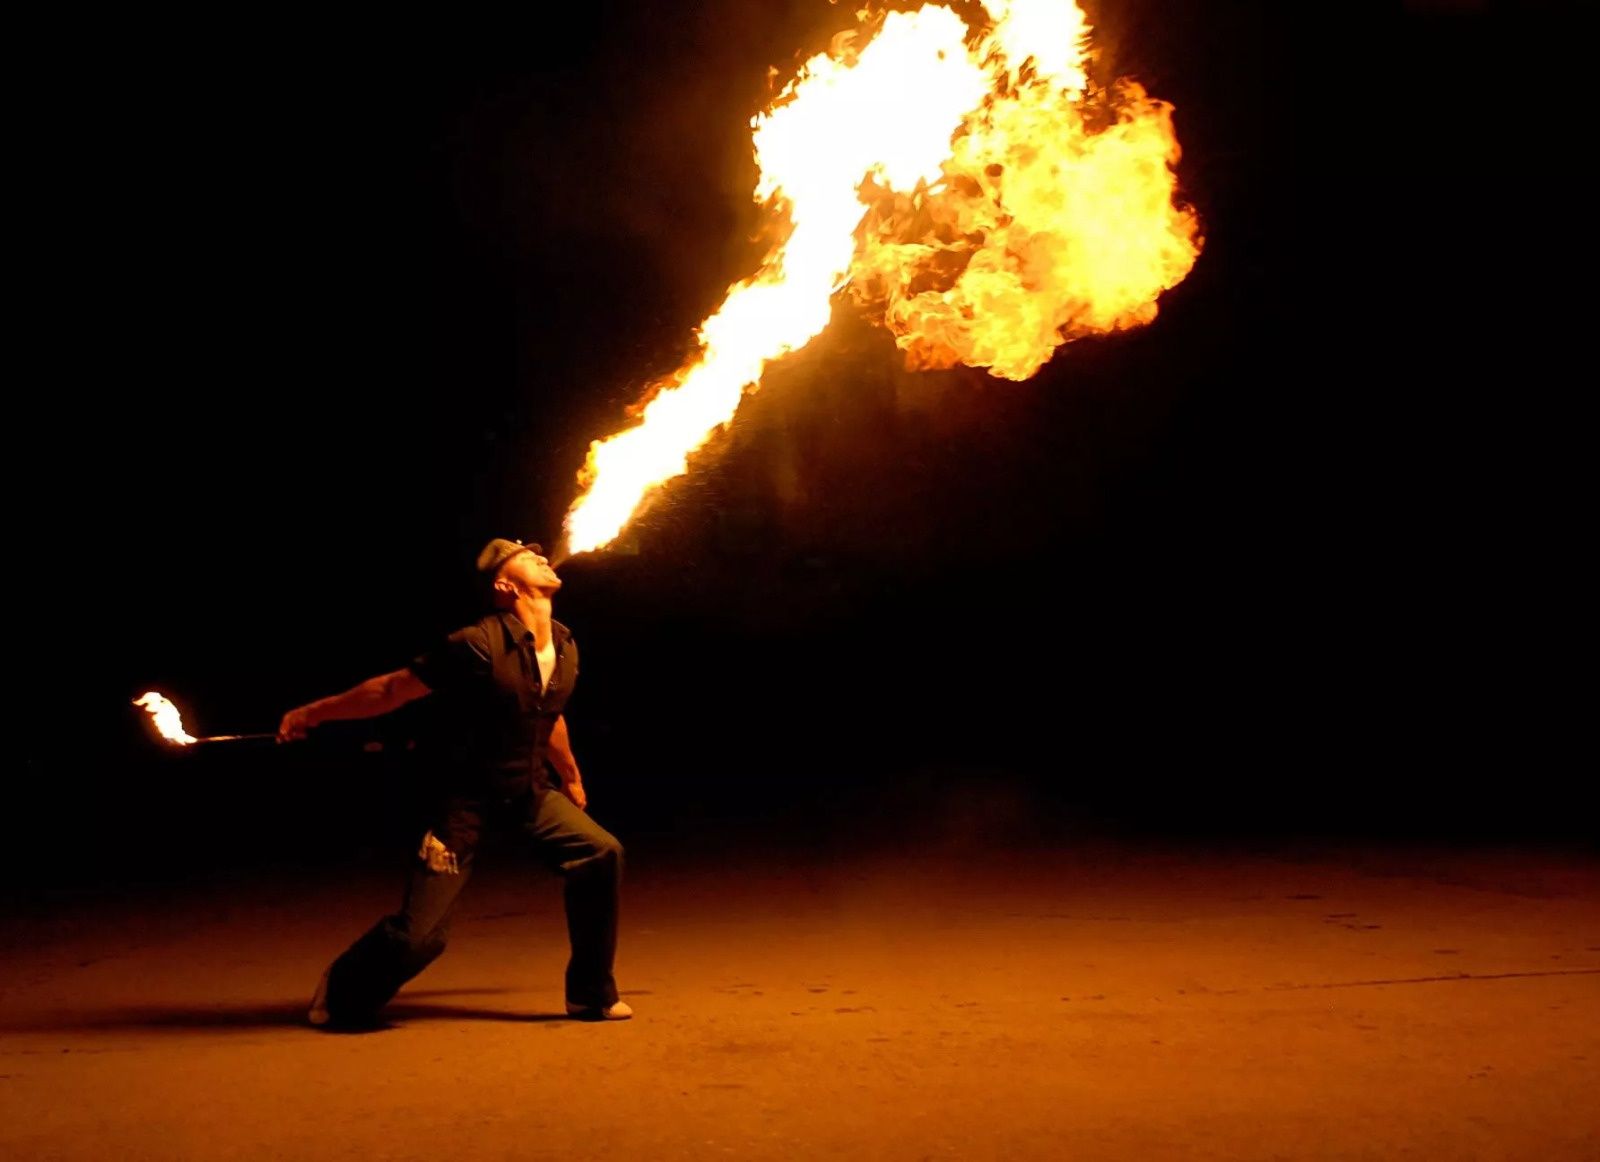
(413, 1006)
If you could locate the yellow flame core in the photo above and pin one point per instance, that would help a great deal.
(168, 722)
(958, 189)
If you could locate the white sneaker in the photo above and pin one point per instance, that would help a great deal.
(318, 1013)
(618, 1011)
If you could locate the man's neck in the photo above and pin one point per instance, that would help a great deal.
(534, 612)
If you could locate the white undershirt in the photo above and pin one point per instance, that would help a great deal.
(547, 663)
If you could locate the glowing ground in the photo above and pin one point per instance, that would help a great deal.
(1109, 1001)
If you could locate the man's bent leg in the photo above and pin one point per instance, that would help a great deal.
(398, 947)
(590, 859)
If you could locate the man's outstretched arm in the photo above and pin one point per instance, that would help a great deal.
(371, 698)
(566, 766)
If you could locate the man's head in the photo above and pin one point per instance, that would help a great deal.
(515, 570)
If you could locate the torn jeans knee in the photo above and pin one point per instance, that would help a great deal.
(437, 856)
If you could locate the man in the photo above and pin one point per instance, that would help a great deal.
(502, 684)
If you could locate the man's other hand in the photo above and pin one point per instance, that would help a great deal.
(295, 725)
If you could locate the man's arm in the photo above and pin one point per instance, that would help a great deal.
(565, 765)
(373, 697)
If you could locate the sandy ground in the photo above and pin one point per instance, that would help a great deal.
(1105, 1002)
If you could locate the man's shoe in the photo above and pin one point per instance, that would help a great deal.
(616, 1011)
(318, 1013)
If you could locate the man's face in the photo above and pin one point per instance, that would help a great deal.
(531, 570)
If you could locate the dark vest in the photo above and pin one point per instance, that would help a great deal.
(497, 724)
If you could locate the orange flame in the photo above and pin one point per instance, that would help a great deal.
(168, 722)
(960, 189)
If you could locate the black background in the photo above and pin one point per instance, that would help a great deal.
(320, 303)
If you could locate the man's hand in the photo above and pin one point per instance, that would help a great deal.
(574, 791)
(295, 724)
(565, 766)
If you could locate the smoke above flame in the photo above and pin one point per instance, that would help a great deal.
(968, 187)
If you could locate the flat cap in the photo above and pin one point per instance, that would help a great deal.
(498, 551)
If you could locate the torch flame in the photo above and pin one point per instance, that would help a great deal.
(959, 189)
(168, 722)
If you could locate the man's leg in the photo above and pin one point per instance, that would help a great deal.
(395, 949)
(589, 858)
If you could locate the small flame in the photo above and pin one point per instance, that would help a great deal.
(168, 722)
(953, 182)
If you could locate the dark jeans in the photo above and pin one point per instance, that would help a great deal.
(589, 858)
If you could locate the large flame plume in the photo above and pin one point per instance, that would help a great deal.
(971, 187)
(168, 722)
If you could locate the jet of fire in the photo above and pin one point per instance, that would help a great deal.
(955, 186)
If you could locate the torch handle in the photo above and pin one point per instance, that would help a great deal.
(233, 737)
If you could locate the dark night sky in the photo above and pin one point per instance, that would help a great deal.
(333, 299)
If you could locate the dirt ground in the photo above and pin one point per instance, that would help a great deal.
(1112, 1001)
